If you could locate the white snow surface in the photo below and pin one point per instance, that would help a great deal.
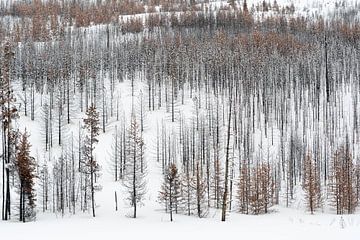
(283, 225)
(152, 222)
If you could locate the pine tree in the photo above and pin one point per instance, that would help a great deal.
(90, 166)
(199, 185)
(193, 193)
(342, 184)
(8, 112)
(25, 165)
(259, 195)
(217, 183)
(266, 186)
(170, 190)
(243, 195)
(44, 184)
(311, 184)
(135, 171)
(187, 193)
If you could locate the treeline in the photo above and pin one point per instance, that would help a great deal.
(275, 113)
(48, 20)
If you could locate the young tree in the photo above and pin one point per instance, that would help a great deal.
(261, 189)
(311, 184)
(170, 190)
(116, 154)
(187, 191)
(342, 184)
(243, 186)
(135, 171)
(45, 185)
(91, 167)
(199, 186)
(216, 183)
(25, 165)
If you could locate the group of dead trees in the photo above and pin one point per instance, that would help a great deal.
(128, 163)
(274, 72)
(45, 21)
(182, 193)
(343, 184)
(69, 181)
(256, 189)
(342, 188)
(18, 167)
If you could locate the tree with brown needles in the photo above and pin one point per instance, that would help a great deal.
(170, 190)
(243, 186)
(342, 181)
(311, 184)
(25, 165)
(261, 189)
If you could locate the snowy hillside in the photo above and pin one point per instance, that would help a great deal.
(180, 119)
(153, 222)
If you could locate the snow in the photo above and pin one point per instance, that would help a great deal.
(153, 222)
(285, 224)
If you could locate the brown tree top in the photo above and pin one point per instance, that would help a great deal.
(26, 168)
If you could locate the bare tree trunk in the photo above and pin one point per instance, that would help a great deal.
(224, 203)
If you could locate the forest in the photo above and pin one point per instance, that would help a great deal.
(199, 107)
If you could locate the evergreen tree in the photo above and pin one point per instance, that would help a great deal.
(342, 184)
(311, 184)
(25, 165)
(255, 189)
(170, 190)
(199, 185)
(243, 186)
(135, 171)
(8, 112)
(90, 166)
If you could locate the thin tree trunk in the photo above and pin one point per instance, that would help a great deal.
(224, 203)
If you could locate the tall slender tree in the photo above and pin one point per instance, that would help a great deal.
(134, 180)
(91, 167)
(8, 113)
(170, 190)
(311, 184)
(227, 162)
(25, 165)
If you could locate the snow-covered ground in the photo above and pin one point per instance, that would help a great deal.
(285, 224)
(152, 221)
